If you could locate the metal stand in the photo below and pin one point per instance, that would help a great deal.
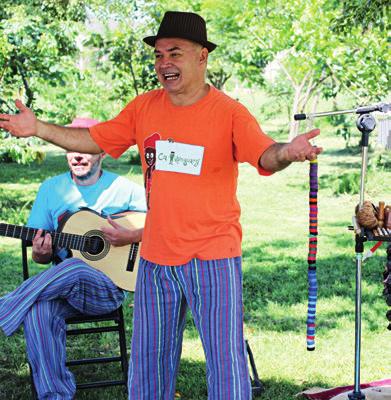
(366, 124)
(357, 394)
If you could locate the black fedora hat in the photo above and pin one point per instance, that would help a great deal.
(184, 25)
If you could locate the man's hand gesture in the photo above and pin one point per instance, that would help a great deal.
(301, 149)
(23, 124)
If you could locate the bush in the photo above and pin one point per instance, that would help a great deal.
(15, 206)
(347, 183)
(343, 125)
(21, 151)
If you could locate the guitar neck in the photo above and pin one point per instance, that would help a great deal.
(66, 240)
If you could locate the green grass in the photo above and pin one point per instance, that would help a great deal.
(274, 218)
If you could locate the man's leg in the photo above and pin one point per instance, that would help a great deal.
(42, 303)
(213, 290)
(85, 288)
(45, 333)
(158, 323)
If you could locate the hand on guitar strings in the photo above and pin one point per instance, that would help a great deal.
(117, 235)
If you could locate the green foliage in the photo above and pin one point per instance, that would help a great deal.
(73, 57)
(367, 14)
(19, 151)
(295, 39)
(346, 183)
(15, 206)
(343, 125)
(37, 44)
(381, 161)
(134, 158)
(130, 63)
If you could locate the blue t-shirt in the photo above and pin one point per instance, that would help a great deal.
(60, 194)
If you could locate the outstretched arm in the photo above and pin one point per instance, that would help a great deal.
(279, 155)
(25, 124)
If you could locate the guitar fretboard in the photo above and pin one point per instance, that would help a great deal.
(66, 240)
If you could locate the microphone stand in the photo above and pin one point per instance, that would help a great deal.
(365, 123)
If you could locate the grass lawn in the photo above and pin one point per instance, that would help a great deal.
(274, 218)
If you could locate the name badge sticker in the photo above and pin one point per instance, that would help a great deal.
(179, 157)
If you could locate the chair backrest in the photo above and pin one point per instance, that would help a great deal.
(25, 264)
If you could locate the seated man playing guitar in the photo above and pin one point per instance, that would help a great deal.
(71, 287)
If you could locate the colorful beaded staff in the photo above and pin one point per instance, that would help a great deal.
(313, 246)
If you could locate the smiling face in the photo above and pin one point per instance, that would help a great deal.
(150, 156)
(180, 66)
(85, 168)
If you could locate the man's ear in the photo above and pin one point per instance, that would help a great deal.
(204, 55)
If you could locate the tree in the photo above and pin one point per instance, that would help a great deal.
(368, 14)
(37, 43)
(315, 59)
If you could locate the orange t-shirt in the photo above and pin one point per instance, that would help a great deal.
(189, 216)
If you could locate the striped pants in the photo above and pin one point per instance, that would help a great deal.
(213, 292)
(42, 303)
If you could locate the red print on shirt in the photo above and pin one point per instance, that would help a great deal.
(150, 159)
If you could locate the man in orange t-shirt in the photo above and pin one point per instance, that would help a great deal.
(192, 138)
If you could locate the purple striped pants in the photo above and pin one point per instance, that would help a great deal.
(213, 292)
(42, 303)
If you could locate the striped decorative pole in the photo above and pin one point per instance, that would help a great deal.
(313, 247)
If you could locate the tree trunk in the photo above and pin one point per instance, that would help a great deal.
(294, 125)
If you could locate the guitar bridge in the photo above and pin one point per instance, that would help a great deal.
(132, 257)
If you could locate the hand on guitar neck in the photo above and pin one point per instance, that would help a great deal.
(42, 252)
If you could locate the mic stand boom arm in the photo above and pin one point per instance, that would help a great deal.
(381, 107)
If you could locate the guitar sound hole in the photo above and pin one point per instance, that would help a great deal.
(96, 245)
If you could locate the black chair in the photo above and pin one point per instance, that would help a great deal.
(256, 384)
(112, 322)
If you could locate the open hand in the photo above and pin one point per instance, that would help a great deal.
(23, 124)
(301, 149)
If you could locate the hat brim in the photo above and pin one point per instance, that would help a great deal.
(151, 40)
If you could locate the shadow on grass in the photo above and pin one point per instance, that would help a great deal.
(272, 284)
(14, 385)
(268, 279)
(191, 381)
(191, 384)
(285, 390)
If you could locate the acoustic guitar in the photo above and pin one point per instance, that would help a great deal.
(80, 233)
